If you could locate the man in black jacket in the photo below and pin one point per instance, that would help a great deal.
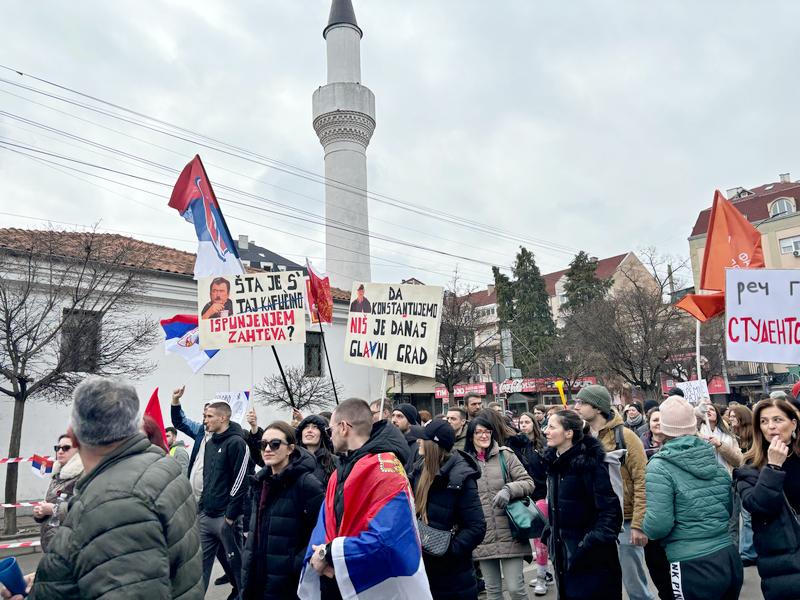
(225, 465)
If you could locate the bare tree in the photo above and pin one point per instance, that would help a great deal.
(308, 393)
(464, 337)
(67, 309)
(569, 357)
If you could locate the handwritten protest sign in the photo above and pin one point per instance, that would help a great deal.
(255, 309)
(762, 315)
(394, 327)
(694, 391)
(238, 402)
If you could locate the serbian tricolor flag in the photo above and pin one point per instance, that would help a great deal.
(732, 243)
(194, 198)
(375, 549)
(41, 465)
(320, 300)
(182, 337)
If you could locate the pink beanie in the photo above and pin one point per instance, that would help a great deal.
(677, 417)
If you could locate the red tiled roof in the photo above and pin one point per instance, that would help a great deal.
(754, 207)
(154, 257)
(482, 297)
(606, 268)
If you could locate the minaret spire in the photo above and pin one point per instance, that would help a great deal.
(344, 120)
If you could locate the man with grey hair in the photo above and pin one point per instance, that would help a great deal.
(131, 530)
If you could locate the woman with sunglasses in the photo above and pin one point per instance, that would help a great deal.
(66, 471)
(286, 500)
(313, 434)
(503, 479)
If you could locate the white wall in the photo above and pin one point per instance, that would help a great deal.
(171, 295)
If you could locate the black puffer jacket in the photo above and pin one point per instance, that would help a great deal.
(453, 501)
(776, 535)
(585, 519)
(532, 461)
(285, 509)
(327, 461)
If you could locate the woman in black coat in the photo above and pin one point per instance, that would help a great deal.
(312, 434)
(585, 513)
(446, 496)
(769, 485)
(286, 501)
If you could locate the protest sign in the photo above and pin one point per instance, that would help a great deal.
(762, 315)
(694, 391)
(255, 309)
(238, 402)
(394, 327)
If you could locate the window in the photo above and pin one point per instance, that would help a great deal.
(790, 244)
(313, 354)
(80, 340)
(781, 206)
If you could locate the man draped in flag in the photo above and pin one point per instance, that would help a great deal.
(194, 199)
(366, 540)
(732, 243)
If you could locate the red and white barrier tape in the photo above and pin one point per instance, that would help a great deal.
(20, 545)
(18, 460)
(20, 504)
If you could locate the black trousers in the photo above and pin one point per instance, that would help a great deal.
(717, 576)
(658, 566)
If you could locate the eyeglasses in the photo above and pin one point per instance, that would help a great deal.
(62, 448)
(271, 444)
(483, 433)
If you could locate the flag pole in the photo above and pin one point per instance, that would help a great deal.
(252, 378)
(327, 358)
(283, 375)
(383, 391)
(697, 348)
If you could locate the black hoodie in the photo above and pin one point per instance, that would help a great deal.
(326, 460)
(225, 466)
(384, 437)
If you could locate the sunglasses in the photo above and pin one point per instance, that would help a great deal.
(62, 448)
(271, 444)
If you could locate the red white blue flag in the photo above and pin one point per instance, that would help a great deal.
(194, 198)
(41, 465)
(182, 337)
(375, 549)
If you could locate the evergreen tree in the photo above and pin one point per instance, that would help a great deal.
(582, 286)
(524, 306)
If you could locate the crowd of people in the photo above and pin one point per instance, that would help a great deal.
(389, 498)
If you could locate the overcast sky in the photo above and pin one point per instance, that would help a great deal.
(602, 126)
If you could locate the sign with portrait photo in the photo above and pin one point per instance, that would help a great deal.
(394, 327)
(255, 309)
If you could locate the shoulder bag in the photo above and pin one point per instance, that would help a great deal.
(524, 517)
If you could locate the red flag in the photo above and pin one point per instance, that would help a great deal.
(732, 242)
(703, 306)
(153, 411)
(320, 300)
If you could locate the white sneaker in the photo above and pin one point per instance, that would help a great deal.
(539, 586)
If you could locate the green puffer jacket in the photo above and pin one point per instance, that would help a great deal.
(131, 532)
(688, 499)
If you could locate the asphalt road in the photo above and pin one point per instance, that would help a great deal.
(750, 591)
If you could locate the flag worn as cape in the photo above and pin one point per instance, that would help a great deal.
(194, 199)
(375, 549)
(320, 300)
(732, 243)
(182, 337)
(153, 410)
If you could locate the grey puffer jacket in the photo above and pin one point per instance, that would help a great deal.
(498, 543)
(61, 486)
(131, 532)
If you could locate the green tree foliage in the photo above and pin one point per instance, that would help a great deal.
(582, 286)
(524, 307)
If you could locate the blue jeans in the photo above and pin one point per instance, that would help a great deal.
(746, 549)
(634, 571)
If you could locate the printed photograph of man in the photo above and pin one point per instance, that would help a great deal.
(221, 305)
(360, 304)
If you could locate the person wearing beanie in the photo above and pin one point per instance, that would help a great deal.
(634, 419)
(593, 404)
(446, 498)
(312, 434)
(689, 503)
(406, 418)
